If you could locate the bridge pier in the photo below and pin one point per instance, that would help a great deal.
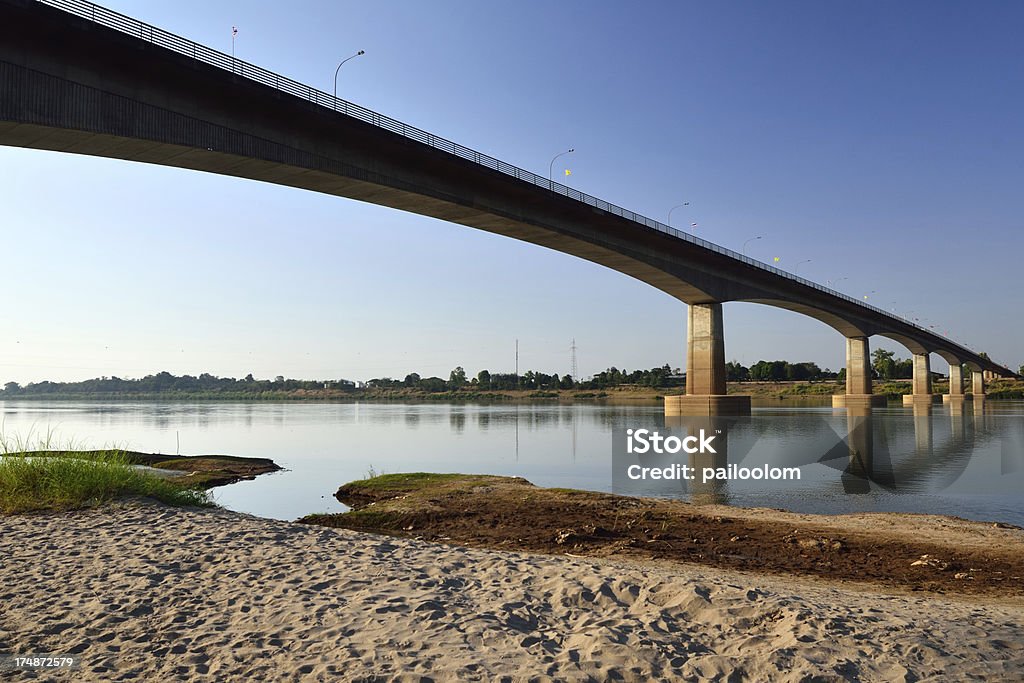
(978, 385)
(922, 384)
(956, 385)
(858, 377)
(705, 368)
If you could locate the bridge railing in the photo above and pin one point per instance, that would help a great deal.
(158, 36)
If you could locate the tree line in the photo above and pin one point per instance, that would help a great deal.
(885, 365)
(166, 383)
(485, 380)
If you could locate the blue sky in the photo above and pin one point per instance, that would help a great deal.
(881, 141)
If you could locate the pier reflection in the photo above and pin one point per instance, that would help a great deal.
(921, 448)
(930, 464)
(714, 491)
(860, 470)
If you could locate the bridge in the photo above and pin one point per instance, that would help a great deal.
(79, 78)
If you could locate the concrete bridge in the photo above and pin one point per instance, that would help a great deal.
(76, 77)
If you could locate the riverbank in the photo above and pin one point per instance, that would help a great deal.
(35, 480)
(141, 591)
(904, 552)
(997, 389)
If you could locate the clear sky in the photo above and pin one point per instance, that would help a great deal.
(881, 141)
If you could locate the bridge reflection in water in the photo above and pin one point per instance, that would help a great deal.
(923, 448)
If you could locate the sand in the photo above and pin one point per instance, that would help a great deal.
(140, 591)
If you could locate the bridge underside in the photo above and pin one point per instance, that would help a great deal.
(72, 86)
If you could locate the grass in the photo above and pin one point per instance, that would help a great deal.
(405, 482)
(68, 478)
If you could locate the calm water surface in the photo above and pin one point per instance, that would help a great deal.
(968, 463)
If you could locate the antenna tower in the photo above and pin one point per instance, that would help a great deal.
(572, 349)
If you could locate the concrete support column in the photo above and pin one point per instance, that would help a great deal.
(922, 375)
(978, 384)
(858, 377)
(858, 366)
(922, 391)
(956, 379)
(956, 395)
(705, 368)
(705, 350)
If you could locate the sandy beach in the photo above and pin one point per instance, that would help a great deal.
(142, 591)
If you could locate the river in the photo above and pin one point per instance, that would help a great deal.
(967, 462)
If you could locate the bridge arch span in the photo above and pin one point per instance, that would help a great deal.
(833, 320)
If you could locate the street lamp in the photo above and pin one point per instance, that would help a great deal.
(833, 283)
(551, 166)
(748, 242)
(677, 206)
(797, 266)
(361, 52)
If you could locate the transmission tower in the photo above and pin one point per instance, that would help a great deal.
(572, 349)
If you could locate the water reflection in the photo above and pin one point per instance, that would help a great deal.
(920, 453)
(457, 419)
(964, 458)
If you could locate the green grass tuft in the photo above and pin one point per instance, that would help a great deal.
(408, 481)
(65, 480)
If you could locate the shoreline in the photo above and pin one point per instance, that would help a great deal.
(891, 551)
(769, 390)
(140, 590)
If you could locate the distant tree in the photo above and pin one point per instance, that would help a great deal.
(568, 383)
(734, 372)
(433, 384)
(500, 380)
(904, 369)
(14, 387)
(457, 378)
(884, 362)
(279, 379)
(760, 371)
(769, 371)
(483, 379)
(1019, 371)
(412, 379)
(802, 372)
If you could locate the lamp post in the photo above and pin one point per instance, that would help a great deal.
(833, 283)
(797, 266)
(551, 166)
(361, 52)
(748, 242)
(677, 206)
